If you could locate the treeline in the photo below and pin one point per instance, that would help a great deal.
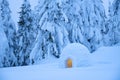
(52, 25)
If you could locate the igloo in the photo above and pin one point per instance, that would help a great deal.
(75, 55)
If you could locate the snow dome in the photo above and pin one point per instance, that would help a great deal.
(75, 55)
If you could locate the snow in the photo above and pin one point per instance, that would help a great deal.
(105, 66)
(15, 9)
(3, 42)
(108, 54)
(78, 53)
(3, 45)
(37, 73)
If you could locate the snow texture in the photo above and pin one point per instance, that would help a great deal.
(112, 26)
(78, 53)
(106, 66)
(44, 31)
(3, 46)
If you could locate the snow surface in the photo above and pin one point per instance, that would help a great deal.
(105, 66)
(78, 53)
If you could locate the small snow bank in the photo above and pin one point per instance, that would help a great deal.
(50, 60)
(78, 53)
(104, 67)
(106, 55)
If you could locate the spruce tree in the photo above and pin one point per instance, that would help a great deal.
(85, 22)
(93, 18)
(25, 35)
(54, 36)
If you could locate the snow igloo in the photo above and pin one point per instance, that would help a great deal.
(74, 55)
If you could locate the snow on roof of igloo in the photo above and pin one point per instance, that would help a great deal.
(77, 52)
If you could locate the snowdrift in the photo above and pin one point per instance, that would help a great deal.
(106, 55)
(106, 66)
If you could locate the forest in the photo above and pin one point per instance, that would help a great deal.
(52, 25)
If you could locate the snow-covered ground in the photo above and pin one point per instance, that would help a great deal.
(105, 65)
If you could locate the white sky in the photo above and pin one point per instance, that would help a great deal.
(15, 8)
(106, 5)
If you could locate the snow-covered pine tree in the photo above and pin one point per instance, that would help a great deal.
(4, 55)
(51, 24)
(112, 35)
(85, 21)
(93, 18)
(3, 43)
(9, 28)
(25, 35)
(37, 52)
(55, 25)
(71, 9)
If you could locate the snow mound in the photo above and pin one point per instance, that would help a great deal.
(106, 55)
(78, 53)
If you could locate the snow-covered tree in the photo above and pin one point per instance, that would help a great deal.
(3, 43)
(85, 21)
(55, 25)
(51, 23)
(4, 56)
(93, 22)
(70, 10)
(112, 35)
(8, 27)
(25, 35)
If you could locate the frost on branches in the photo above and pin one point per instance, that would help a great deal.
(25, 35)
(51, 27)
(85, 21)
(112, 35)
(7, 30)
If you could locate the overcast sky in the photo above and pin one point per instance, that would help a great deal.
(106, 5)
(16, 4)
(15, 8)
